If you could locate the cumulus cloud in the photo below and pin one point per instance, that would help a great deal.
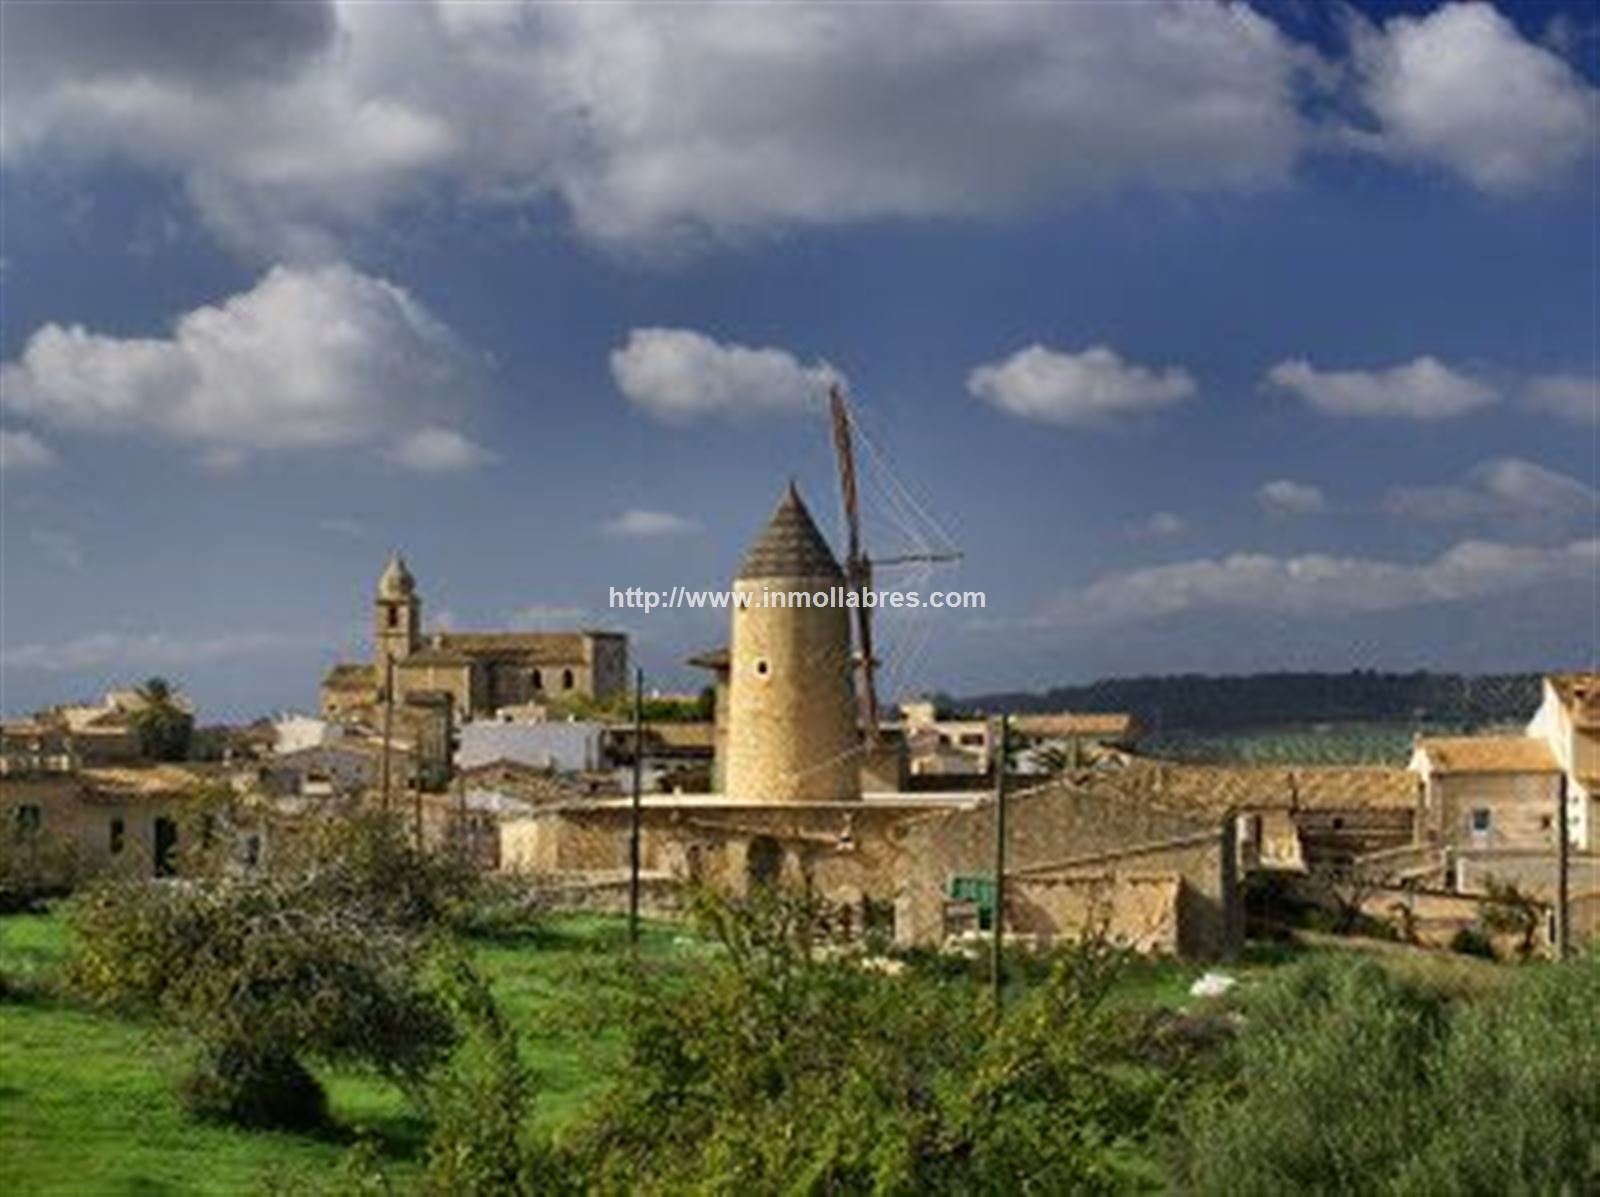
(541, 616)
(1320, 585)
(1462, 89)
(131, 651)
(309, 358)
(20, 450)
(1507, 488)
(1163, 525)
(1095, 387)
(1285, 497)
(1571, 397)
(1423, 389)
(679, 375)
(290, 122)
(438, 451)
(639, 523)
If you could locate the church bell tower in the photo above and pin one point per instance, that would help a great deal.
(396, 616)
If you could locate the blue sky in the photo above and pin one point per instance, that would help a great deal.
(1217, 338)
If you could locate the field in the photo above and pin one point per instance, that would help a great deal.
(86, 1103)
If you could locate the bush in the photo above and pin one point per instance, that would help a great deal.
(266, 969)
(1347, 1080)
(780, 1068)
(250, 1087)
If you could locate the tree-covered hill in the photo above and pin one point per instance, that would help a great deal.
(1200, 702)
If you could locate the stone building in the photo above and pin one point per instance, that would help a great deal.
(482, 672)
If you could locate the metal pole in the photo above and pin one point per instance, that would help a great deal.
(997, 976)
(388, 726)
(1563, 850)
(638, 784)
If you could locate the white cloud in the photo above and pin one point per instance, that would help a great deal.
(1285, 497)
(636, 523)
(20, 450)
(541, 616)
(125, 651)
(307, 359)
(1571, 397)
(655, 123)
(438, 451)
(1163, 525)
(1094, 387)
(1462, 89)
(1423, 389)
(1320, 585)
(679, 375)
(1507, 488)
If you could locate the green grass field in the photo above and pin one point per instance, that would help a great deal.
(86, 1101)
(87, 1105)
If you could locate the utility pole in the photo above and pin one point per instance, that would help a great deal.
(633, 829)
(997, 977)
(388, 727)
(1563, 850)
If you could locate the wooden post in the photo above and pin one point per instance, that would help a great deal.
(633, 829)
(1563, 850)
(388, 727)
(997, 976)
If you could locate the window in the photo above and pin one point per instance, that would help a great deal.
(394, 616)
(1480, 821)
(763, 667)
(29, 819)
(566, 679)
(119, 836)
(538, 679)
(972, 739)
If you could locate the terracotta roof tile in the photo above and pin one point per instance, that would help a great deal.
(1488, 754)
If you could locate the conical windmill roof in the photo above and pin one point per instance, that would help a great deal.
(791, 546)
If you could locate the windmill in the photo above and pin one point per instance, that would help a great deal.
(858, 566)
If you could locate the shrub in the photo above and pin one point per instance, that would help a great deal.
(265, 970)
(1347, 1080)
(781, 1068)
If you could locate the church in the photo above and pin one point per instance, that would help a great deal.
(482, 672)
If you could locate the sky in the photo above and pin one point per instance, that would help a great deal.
(1215, 337)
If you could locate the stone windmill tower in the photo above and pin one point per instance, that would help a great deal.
(792, 732)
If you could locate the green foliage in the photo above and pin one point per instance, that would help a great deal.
(1508, 911)
(165, 730)
(784, 1067)
(482, 1104)
(1348, 1080)
(322, 960)
(35, 865)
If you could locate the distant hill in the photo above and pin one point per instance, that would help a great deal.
(1202, 703)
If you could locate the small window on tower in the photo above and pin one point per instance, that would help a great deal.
(394, 616)
(762, 667)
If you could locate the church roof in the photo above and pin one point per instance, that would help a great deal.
(349, 676)
(396, 581)
(535, 648)
(790, 546)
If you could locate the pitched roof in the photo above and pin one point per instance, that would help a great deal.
(1217, 788)
(434, 658)
(712, 658)
(396, 580)
(351, 676)
(1112, 724)
(1488, 754)
(538, 648)
(790, 546)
